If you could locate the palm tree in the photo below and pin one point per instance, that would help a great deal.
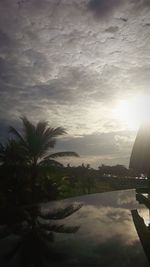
(13, 173)
(12, 154)
(30, 150)
(37, 140)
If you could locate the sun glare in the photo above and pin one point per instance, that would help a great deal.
(134, 111)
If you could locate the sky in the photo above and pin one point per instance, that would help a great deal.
(76, 64)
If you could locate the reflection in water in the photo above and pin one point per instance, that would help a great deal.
(143, 226)
(107, 236)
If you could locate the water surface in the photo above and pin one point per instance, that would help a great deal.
(107, 236)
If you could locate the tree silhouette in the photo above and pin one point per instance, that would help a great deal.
(34, 244)
(12, 154)
(36, 141)
(26, 157)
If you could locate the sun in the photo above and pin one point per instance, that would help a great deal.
(134, 111)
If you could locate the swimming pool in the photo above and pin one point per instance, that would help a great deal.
(107, 235)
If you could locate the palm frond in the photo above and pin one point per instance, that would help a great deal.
(46, 235)
(50, 143)
(59, 228)
(41, 127)
(60, 213)
(26, 123)
(54, 132)
(13, 131)
(13, 153)
(63, 154)
(1, 147)
(2, 151)
(29, 129)
(50, 162)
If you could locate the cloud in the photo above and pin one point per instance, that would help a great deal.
(102, 8)
(127, 199)
(112, 29)
(107, 148)
(99, 144)
(57, 62)
(117, 246)
(106, 235)
(141, 3)
(5, 41)
(139, 76)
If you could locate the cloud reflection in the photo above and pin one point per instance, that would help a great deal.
(107, 236)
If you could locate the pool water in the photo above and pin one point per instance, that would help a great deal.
(107, 236)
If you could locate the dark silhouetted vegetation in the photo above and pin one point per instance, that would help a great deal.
(24, 179)
(30, 175)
